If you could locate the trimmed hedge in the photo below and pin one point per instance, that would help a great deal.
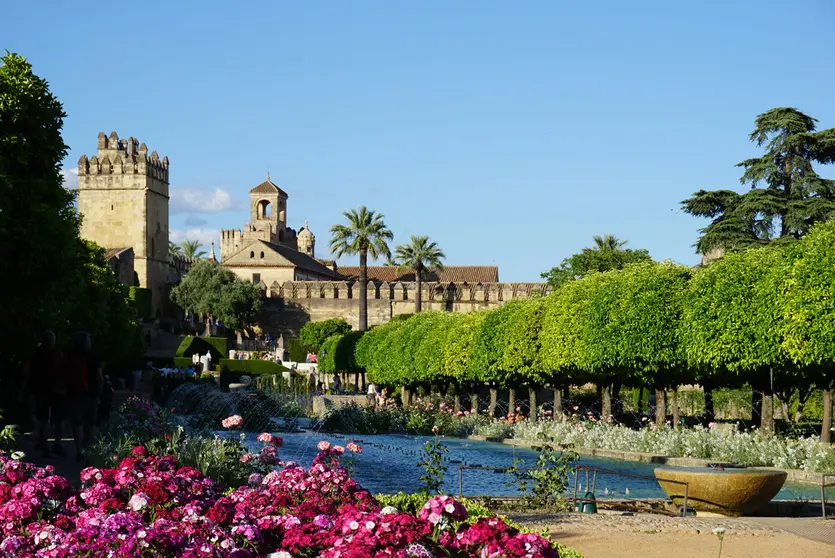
(218, 346)
(251, 367)
(339, 353)
(141, 300)
(297, 350)
(182, 362)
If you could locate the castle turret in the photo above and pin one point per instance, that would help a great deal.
(306, 241)
(123, 196)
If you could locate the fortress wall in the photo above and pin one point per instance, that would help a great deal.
(290, 305)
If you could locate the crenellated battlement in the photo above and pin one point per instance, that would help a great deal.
(405, 291)
(117, 157)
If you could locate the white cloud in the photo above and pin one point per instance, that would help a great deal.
(195, 200)
(70, 177)
(205, 236)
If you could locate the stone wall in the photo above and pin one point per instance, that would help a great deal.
(290, 305)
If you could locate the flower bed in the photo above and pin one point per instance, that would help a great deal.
(750, 448)
(151, 504)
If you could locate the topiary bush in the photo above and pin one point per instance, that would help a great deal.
(217, 346)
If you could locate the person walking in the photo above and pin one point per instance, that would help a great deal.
(47, 385)
(85, 385)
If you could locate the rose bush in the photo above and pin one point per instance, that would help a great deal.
(152, 504)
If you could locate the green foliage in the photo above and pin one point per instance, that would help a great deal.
(792, 198)
(543, 486)
(520, 342)
(366, 235)
(434, 467)
(141, 299)
(732, 317)
(338, 353)
(314, 334)
(190, 250)
(58, 281)
(607, 254)
(251, 367)
(457, 350)
(643, 327)
(182, 362)
(297, 350)
(809, 305)
(214, 291)
(191, 345)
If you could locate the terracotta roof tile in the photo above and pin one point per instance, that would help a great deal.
(448, 274)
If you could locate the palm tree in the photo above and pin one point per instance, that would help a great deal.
(391, 261)
(608, 242)
(420, 255)
(191, 250)
(365, 234)
(175, 250)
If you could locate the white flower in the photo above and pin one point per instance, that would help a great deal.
(138, 501)
(719, 531)
(18, 455)
(370, 525)
(449, 508)
(280, 554)
(388, 510)
(354, 525)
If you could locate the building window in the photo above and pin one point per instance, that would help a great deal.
(264, 210)
(262, 255)
(256, 278)
(252, 254)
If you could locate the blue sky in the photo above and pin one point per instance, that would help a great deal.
(509, 132)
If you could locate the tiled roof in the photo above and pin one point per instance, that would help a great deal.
(111, 253)
(447, 274)
(298, 259)
(267, 187)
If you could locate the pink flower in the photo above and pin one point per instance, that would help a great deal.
(324, 445)
(339, 449)
(354, 447)
(232, 422)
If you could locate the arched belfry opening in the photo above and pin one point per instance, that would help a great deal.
(265, 209)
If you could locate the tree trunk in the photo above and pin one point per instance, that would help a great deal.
(494, 399)
(363, 286)
(557, 404)
(660, 408)
(641, 400)
(756, 402)
(532, 404)
(605, 401)
(710, 413)
(511, 400)
(419, 293)
(767, 409)
(474, 402)
(456, 406)
(826, 425)
(676, 412)
(405, 396)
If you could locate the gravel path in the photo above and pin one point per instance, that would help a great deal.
(658, 536)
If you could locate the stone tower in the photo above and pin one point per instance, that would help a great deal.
(123, 198)
(267, 221)
(306, 241)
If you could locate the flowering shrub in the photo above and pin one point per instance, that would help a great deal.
(751, 448)
(140, 423)
(424, 415)
(151, 504)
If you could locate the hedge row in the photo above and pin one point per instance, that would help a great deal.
(654, 324)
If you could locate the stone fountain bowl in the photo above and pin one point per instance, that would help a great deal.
(730, 492)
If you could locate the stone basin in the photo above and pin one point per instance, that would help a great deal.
(730, 492)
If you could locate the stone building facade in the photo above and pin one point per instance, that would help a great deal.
(123, 199)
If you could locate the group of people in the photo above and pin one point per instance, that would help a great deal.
(66, 386)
